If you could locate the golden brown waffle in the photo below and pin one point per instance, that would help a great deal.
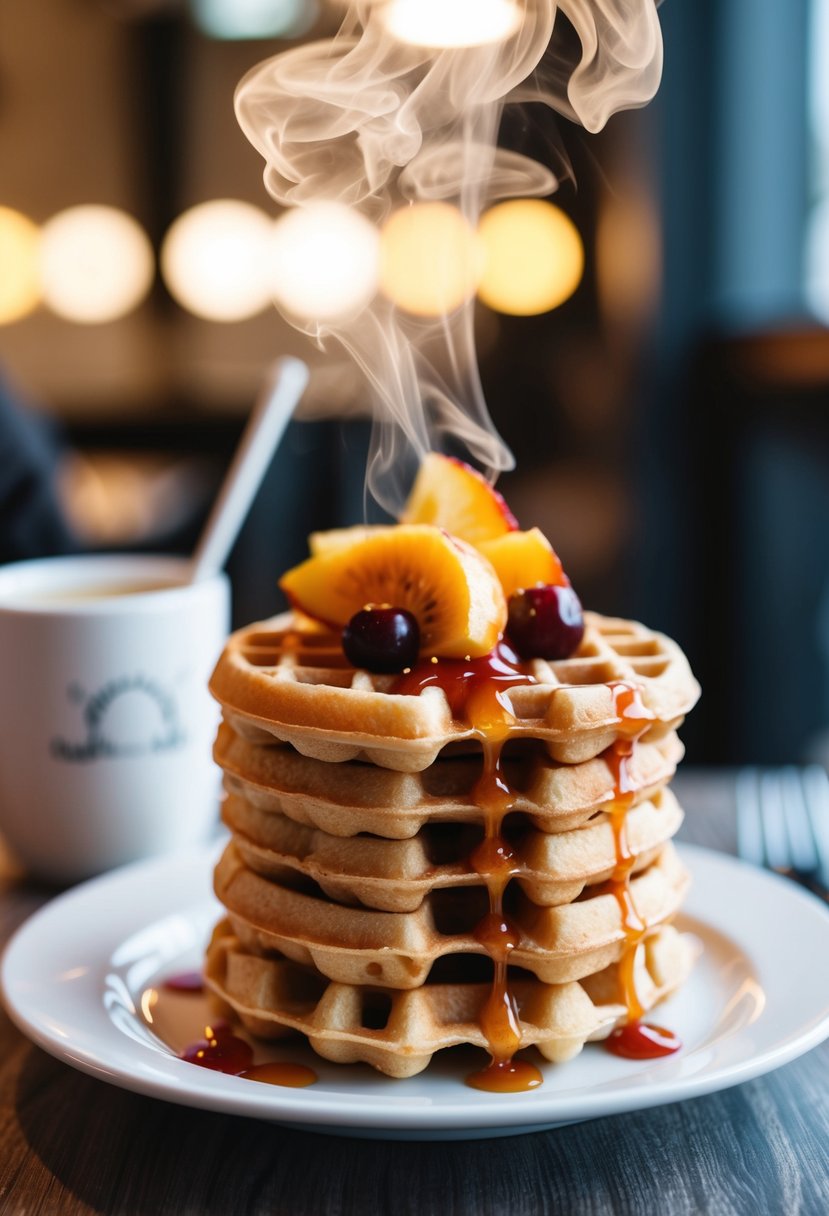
(361, 946)
(396, 875)
(398, 1032)
(344, 799)
(280, 680)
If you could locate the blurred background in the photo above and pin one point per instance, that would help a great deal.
(670, 418)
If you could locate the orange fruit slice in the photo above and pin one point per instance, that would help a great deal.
(341, 538)
(524, 559)
(454, 496)
(450, 587)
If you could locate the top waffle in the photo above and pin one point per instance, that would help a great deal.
(281, 679)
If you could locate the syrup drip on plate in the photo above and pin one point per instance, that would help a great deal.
(474, 690)
(178, 1013)
(635, 1039)
(185, 981)
(220, 1050)
(277, 1072)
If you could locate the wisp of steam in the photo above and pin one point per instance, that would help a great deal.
(367, 120)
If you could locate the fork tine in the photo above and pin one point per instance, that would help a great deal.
(749, 828)
(802, 846)
(816, 791)
(773, 818)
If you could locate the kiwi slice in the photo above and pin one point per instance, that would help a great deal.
(450, 588)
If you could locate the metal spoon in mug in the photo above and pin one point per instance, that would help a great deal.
(274, 408)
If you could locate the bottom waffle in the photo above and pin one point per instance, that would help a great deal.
(398, 1032)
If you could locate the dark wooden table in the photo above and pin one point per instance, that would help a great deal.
(70, 1144)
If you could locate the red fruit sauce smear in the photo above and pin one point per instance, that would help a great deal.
(641, 1041)
(186, 981)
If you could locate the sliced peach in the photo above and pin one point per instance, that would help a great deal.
(454, 496)
(524, 559)
(340, 538)
(450, 587)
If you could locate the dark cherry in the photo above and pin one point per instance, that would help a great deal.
(545, 622)
(382, 639)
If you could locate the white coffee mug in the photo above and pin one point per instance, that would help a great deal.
(106, 725)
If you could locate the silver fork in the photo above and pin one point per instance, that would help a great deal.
(783, 823)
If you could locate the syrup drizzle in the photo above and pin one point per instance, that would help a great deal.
(475, 691)
(635, 1039)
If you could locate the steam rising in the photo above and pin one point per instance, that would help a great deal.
(367, 120)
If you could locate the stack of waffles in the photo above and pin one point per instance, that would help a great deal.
(410, 871)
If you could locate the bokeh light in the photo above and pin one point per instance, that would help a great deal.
(214, 260)
(533, 257)
(429, 259)
(96, 264)
(451, 23)
(19, 277)
(324, 262)
(231, 19)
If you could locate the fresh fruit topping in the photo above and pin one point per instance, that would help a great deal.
(382, 638)
(524, 559)
(451, 590)
(340, 538)
(454, 496)
(545, 622)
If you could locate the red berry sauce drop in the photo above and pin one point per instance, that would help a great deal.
(641, 1041)
(221, 1051)
(186, 981)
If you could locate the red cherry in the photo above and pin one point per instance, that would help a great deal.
(382, 639)
(545, 622)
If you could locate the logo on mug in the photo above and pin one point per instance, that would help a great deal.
(128, 716)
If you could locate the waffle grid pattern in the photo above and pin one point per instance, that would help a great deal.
(268, 690)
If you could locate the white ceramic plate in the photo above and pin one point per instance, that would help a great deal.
(73, 976)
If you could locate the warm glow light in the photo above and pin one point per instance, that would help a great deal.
(533, 257)
(96, 264)
(429, 259)
(451, 23)
(214, 260)
(324, 262)
(19, 279)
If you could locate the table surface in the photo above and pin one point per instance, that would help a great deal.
(70, 1144)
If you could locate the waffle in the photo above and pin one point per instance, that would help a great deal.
(344, 799)
(281, 680)
(362, 946)
(396, 875)
(398, 1032)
